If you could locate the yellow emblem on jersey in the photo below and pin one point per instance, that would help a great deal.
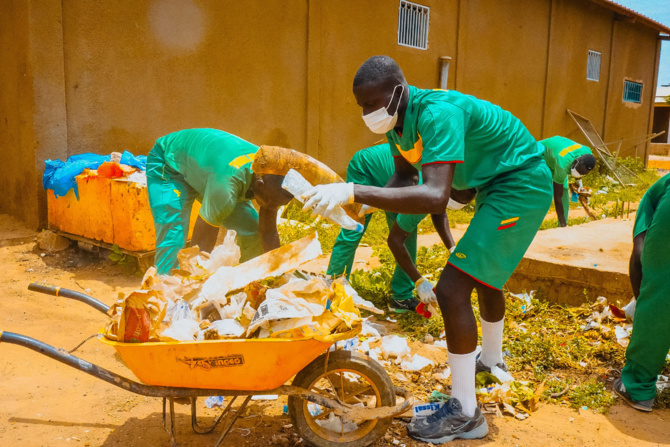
(460, 255)
(242, 160)
(414, 154)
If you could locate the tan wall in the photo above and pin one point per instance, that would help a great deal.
(32, 103)
(97, 76)
(502, 53)
(633, 47)
(138, 70)
(345, 43)
(576, 29)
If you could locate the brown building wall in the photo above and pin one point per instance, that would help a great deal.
(633, 49)
(576, 28)
(95, 76)
(502, 53)
(138, 70)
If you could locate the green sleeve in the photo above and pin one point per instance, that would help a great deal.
(647, 207)
(218, 201)
(394, 149)
(443, 134)
(409, 222)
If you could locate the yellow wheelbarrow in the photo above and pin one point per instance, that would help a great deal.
(326, 384)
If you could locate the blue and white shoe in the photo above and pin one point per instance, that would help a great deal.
(448, 423)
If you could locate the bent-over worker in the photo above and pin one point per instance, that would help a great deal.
(564, 158)
(213, 167)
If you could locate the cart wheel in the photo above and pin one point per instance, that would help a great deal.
(353, 379)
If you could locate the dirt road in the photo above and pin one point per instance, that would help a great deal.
(45, 403)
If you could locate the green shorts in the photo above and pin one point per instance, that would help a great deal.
(509, 212)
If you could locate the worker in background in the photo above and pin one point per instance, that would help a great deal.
(213, 167)
(373, 166)
(458, 141)
(564, 158)
(649, 268)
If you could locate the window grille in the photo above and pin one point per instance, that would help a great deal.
(413, 22)
(593, 66)
(632, 91)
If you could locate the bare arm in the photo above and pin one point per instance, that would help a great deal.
(441, 224)
(267, 227)
(396, 243)
(558, 204)
(204, 235)
(431, 197)
(635, 265)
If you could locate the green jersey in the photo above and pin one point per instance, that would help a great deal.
(649, 203)
(449, 127)
(216, 164)
(560, 153)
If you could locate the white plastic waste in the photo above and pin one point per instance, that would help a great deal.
(394, 346)
(227, 328)
(182, 330)
(278, 306)
(296, 184)
(416, 363)
(334, 423)
(501, 374)
(225, 255)
(277, 262)
(629, 309)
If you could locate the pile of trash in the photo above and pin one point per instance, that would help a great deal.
(60, 176)
(212, 297)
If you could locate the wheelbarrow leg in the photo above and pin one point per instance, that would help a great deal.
(232, 418)
(194, 417)
(171, 430)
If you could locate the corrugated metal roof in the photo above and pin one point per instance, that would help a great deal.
(636, 16)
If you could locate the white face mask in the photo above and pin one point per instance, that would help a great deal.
(575, 173)
(454, 205)
(380, 121)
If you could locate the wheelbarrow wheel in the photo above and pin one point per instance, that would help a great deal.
(351, 378)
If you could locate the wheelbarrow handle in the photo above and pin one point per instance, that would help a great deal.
(67, 293)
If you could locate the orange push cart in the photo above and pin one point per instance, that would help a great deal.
(326, 382)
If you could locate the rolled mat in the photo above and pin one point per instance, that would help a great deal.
(278, 160)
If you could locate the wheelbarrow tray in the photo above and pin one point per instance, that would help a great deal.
(238, 364)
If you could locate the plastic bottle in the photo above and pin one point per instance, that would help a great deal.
(297, 185)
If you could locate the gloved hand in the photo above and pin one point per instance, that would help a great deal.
(323, 198)
(425, 291)
(366, 209)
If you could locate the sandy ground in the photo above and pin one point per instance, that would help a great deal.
(45, 403)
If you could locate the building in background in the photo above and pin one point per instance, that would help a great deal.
(661, 144)
(90, 76)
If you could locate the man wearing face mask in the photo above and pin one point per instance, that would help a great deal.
(456, 141)
(213, 167)
(565, 157)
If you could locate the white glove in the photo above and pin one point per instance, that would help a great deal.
(322, 199)
(366, 209)
(425, 291)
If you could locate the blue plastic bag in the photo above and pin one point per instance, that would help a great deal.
(60, 176)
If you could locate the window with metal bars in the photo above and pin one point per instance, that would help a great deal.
(593, 66)
(413, 22)
(632, 91)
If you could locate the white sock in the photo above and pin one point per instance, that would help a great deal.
(492, 336)
(463, 381)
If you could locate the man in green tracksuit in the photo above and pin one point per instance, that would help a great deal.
(649, 269)
(374, 166)
(455, 141)
(213, 167)
(565, 157)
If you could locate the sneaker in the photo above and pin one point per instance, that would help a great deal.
(402, 306)
(642, 405)
(480, 367)
(448, 423)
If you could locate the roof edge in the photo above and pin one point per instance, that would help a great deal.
(636, 16)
